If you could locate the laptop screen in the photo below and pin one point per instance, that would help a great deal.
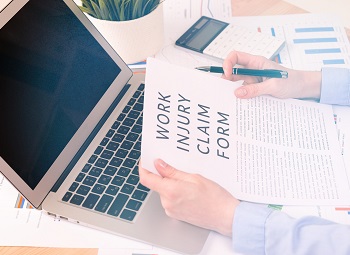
(52, 74)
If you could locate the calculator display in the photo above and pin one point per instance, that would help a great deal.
(201, 34)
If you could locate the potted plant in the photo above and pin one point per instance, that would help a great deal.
(134, 28)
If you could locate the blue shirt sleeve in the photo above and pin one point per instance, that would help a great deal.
(335, 87)
(260, 230)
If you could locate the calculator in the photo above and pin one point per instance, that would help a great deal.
(217, 39)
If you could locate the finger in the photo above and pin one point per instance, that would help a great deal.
(168, 171)
(253, 90)
(149, 179)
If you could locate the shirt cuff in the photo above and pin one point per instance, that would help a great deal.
(248, 228)
(335, 88)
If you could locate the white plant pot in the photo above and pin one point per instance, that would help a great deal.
(134, 40)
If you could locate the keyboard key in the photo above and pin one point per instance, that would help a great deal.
(139, 195)
(98, 150)
(121, 116)
(133, 114)
(121, 153)
(83, 190)
(137, 129)
(126, 109)
(131, 101)
(129, 163)
(118, 138)
(135, 154)
(90, 201)
(118, 204)
(113, 146)
(123, 171)
(133, 204)
(132, 137)
(136, 170)
(112, 190)
(142, 187)
(128, 122)
(104, 179)
(89, 180)
(133, 179)
(127, 189)
(115, 125)
(92, 159)
(127, 145)
(101, 163)
(110, 170)
(128, 215)
(138, 107)
(116, 161)
(110, 133)
(141, 87)
(137, 94)
(139, 121)
(107, 154)
(104, 141)
(98, 188)
(137, 146)
(118, 180)
(80, 177)
(95, 171)
(123, 130)
(86, 168)
(67, 196)
(77, 199)
(104, 203)
(73, 187)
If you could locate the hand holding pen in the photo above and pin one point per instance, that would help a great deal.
(299, 84)
(268, 73)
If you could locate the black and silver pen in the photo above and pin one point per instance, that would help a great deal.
(269, 73)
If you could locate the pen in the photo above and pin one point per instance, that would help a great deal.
(270, 73)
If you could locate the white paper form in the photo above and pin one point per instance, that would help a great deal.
(181, 15)
(264, 150)
(312, 40)
(339, 214)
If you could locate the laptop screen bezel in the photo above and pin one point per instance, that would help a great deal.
(36, 196)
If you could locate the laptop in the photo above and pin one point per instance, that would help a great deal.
(71, 122)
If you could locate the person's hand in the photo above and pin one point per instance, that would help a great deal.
(299, 84)
(191, 197)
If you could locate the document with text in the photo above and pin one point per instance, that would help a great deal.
(264, 150)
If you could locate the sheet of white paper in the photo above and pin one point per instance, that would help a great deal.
(264, 150)
(312, 40)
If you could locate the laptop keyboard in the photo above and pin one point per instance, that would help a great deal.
(109, 182)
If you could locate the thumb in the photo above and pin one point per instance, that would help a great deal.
(167, 171)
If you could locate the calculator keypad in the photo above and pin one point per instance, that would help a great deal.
(245, 40)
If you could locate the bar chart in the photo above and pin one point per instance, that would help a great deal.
(312, 41)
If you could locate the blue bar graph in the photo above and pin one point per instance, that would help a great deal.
(314, 29)
(315, 40)
(333, 61)
(322, 51)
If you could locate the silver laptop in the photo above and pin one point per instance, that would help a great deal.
(71, 121)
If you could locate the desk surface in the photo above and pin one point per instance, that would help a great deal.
(239, 8)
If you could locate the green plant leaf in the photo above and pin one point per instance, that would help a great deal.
(119, 10)
(105, 13)
(88, 11)
(97, 10)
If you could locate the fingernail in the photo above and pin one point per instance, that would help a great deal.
(241, 92)
(162, 163)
